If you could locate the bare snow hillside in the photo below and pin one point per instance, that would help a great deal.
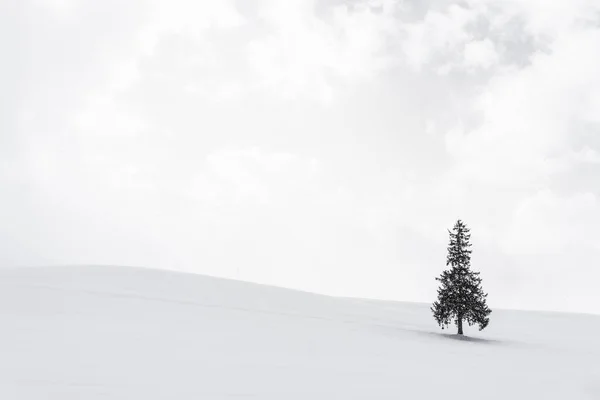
(71, 333)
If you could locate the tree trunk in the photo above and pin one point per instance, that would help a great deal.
(459, 320)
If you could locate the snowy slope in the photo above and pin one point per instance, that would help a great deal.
(129, 334)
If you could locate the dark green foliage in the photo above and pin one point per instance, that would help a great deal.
(460, 296)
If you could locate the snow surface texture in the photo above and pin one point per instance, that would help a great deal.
(125, 333)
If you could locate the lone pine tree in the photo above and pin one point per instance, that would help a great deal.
(460, 296)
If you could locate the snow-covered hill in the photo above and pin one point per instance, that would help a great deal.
(135, 334)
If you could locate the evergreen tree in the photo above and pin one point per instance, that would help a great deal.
(460, 296)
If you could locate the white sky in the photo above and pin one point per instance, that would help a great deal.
(324, 145)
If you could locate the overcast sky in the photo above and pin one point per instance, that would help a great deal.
(325, 145)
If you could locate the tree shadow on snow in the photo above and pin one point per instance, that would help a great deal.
(465, 338)
(398, 331)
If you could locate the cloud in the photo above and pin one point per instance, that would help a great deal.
(528, 114)
(437, 36)
(186, 17)
(545, 21)
(310, 50)
(480, 54)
